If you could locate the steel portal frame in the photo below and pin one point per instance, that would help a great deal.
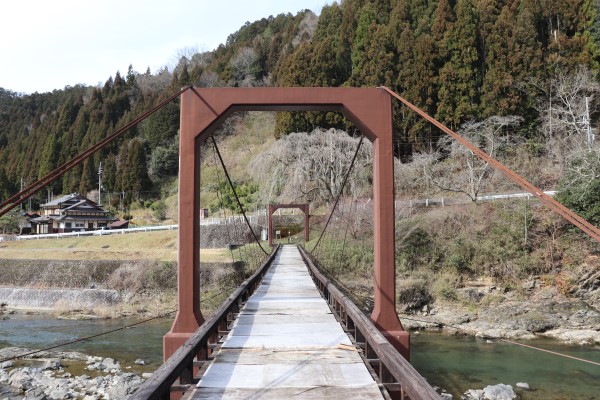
(202, 112)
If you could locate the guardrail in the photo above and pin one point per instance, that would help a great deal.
(196, 352)
(396, 374)
(97, 232)
(447, 201)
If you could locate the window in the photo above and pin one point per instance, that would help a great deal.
(67, 224)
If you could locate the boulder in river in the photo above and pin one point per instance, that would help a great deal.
(491, 392)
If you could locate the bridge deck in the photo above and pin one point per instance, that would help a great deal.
(284, 344)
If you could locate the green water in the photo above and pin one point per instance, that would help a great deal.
(451, 362)
(461, 363)
(127, 345)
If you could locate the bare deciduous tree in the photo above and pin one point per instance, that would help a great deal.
(149, 83)
(243, 65)
(583, 172)
(311, 166)
(564, 112)
(210, 79)
(462, 171)
(307, 28)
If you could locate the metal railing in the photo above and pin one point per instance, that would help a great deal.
(97, 232)
(203, 222)
(177, 373)
(398, 377)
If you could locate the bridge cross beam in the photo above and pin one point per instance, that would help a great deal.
(202, 112)
(274, 207)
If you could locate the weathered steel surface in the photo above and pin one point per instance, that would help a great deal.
(285, 344)
(204, 109)
(394, 371)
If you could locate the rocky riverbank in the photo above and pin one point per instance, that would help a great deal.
(492, 313)
(65, 375)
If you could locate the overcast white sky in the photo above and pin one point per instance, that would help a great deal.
(46, 45)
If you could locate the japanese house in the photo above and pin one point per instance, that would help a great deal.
(70, 213)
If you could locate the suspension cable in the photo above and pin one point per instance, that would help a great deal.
(30, 190)
(222, 204)
(237, 199)
(554, 205)
(339, 195)
(348, 221)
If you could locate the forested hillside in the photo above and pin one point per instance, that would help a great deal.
(459, 60)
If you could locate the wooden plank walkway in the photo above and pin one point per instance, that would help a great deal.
(284, 344)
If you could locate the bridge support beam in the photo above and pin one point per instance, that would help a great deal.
(274, 207)
(188, 317)
(384, 314)
(202, 112)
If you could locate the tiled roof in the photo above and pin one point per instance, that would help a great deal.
(60, 200)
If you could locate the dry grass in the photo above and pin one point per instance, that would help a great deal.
(161, 245)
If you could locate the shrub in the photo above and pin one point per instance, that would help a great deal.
(159, 209)
(579, 189)
(161, 276)
(444, 286)
(413, 293)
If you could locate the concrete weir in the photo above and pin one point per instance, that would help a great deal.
(286, 344)
(31, 298)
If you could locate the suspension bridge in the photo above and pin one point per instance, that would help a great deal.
(287, 331)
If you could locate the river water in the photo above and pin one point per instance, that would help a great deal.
(451, 362)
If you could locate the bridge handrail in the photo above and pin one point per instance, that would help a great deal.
(181, 363)
(409, 380)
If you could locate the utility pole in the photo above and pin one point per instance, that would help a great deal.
(21, 191)
(100, 184)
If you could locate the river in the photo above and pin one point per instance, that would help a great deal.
(452, 362)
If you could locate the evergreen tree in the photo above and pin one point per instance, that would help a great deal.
(161, 128)
(460, 77)
(121, 180)
(49, 159)
(513, 56)
(88, 176)
(109, 177)
(49, 156)
(136, 177)
(5, 186)
(366, 26)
